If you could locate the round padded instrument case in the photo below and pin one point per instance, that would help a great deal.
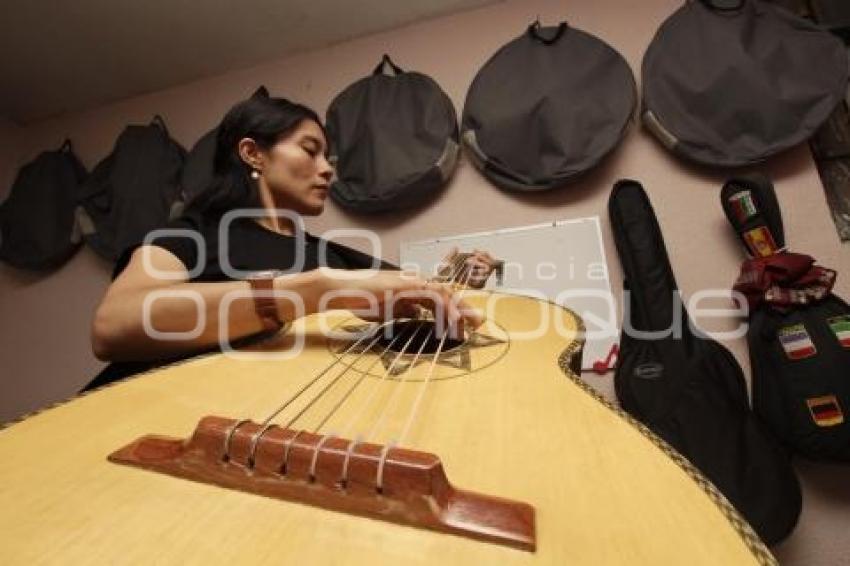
(394, 138)
(731, 82)
(547, 107)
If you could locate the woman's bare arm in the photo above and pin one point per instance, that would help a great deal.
(139, 301)
(174, 305)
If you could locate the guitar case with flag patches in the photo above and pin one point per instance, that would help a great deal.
(687, 388)
(799, 331)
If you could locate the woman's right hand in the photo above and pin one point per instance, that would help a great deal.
(379, 295)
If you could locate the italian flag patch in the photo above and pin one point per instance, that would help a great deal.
(796, 342)
(825, 410)
(743, 206)
(840, 326)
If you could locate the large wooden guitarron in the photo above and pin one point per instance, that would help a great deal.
(375, 444)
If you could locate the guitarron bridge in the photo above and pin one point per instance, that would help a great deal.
(381, 482)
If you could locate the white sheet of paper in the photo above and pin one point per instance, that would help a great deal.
(562, 261)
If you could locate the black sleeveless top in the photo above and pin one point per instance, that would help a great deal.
(196, 240)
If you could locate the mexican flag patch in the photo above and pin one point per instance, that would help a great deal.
(743, 206)
(796, 342)
(840, 326)
(825, 410)
(760, 241)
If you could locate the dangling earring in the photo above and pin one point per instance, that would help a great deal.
(255, 174)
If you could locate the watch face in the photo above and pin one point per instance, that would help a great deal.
(265, 274)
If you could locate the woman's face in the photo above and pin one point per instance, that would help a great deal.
(296, 170)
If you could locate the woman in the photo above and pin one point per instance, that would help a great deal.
(270, 158)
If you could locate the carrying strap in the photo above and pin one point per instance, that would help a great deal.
(535, 29)
(385, 60)
(158, 121)
(723, 5)
(646, 266)
(66, 146)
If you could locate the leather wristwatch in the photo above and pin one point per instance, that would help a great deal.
(262, 283)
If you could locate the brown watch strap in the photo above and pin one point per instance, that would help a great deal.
(265, 304)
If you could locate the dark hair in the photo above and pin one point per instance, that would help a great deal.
(265, 120)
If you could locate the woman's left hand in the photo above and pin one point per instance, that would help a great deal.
(477, 267)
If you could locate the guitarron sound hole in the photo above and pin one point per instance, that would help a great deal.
(397, 334)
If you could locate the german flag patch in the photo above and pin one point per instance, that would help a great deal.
(825, 410)
(840, 326)
(760, 241)
(796, 342)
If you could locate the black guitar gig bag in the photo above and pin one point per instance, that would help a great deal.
(38, 228)
(687, 388)
(133, 190)
(799, 331)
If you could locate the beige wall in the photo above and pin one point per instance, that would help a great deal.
(44, 344)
